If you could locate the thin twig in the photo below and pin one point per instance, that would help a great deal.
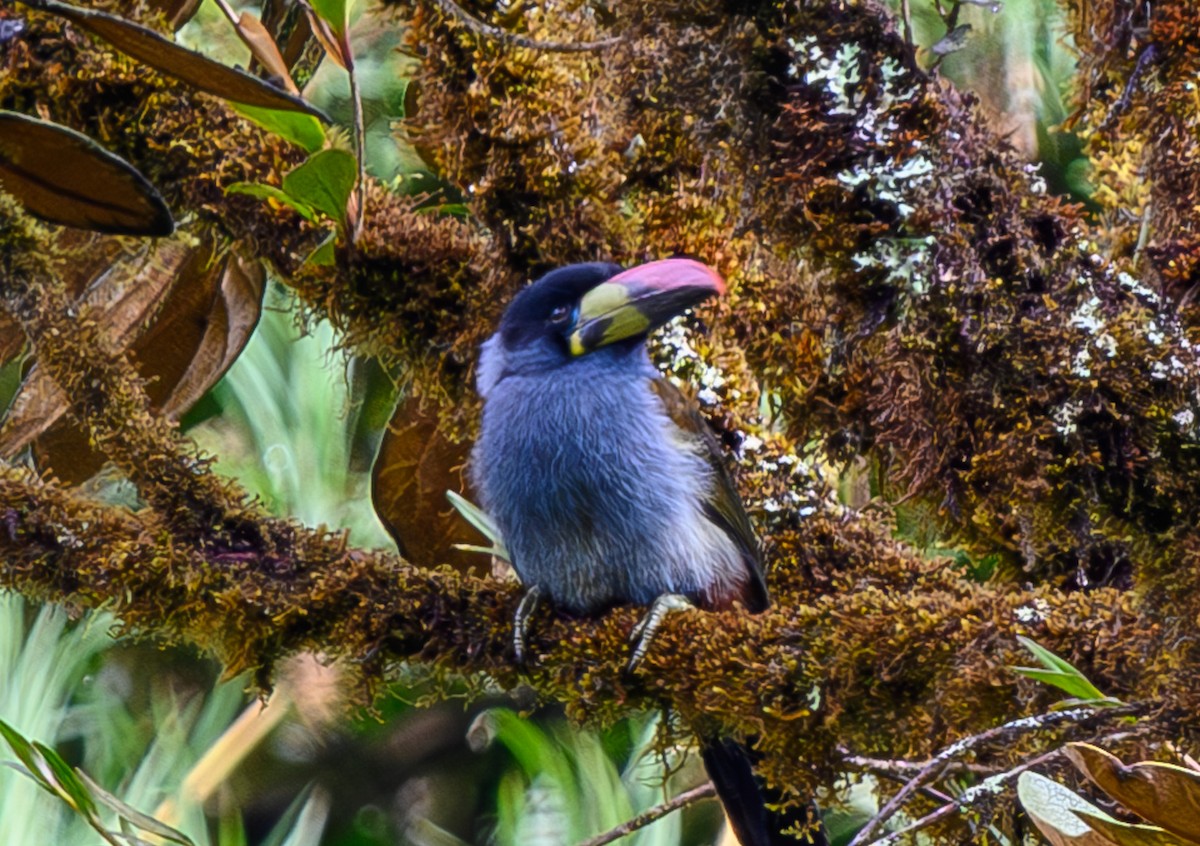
(704, 791)
(906, 15)
(942, 759)
(1149, 53)
(899, 767)
(228, 10)
(480, 28)
(966, 798)
(987, 786)
(360, 142)
(1143, 232)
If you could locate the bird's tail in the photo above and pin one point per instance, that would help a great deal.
(730, 765)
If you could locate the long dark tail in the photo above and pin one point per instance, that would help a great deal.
(730, 765)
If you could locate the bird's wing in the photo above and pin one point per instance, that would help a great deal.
(724, 507)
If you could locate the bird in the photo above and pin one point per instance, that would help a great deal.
(605, 481)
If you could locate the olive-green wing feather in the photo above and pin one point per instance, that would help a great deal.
(724, 508)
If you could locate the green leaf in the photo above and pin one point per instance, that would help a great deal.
(1058, 672)
(1044, 655)
(20, 746)
(477, 518)
(270, 192)
(303, 130)
(324, 182)
(325, 255)
(1070, 683)
(73, 791)
(127, 812)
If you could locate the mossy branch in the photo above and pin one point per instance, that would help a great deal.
(904, 289)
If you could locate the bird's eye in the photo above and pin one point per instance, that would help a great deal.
(560, 314)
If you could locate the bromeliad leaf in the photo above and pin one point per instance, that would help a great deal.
(66, 783)
(167, 57)
(324, 182)
(64, 177)
(52, 773)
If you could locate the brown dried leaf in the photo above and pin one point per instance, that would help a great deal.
(86, 255)
(415, 467)
(263, 47)
(235, 310)
(65, 177)
(166, 56)
(1129, 834)
(124, 296)
(327, 39)
(202, 326)
(1164, 794)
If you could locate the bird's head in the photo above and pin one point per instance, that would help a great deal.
(583, 308)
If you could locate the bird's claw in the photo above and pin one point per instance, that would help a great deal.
(643, 633)
(529, 603)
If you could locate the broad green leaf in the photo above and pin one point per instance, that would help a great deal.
(324, 182)
(65, 177)
(270, 192)
(1163, 794)
(127, 812)
(165, 56)
(303, 130)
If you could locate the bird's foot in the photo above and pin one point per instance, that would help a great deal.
(643, 633)
(529, 603)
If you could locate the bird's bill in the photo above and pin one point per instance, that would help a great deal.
(638, 300)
